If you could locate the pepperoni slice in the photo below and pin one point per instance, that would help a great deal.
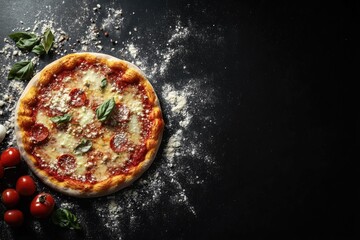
(67, 162)
(39, 132)
(77, 97)
(118, 142)
(121, 113)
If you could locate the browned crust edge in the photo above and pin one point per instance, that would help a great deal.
(23, 122)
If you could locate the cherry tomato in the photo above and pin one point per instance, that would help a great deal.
(14, 218)
(10, 197)
(1, 170)
(25, 186)
(42, 205)
(10, 157)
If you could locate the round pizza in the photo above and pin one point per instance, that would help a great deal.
(89, 124)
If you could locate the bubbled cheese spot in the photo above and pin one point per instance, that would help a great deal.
(101, 172)
(59, 100)
(81, 162)
(91, 79)
(66, 141)
(118, 159)
(130, 100)
(85, 116)
(134, 129)
(42, 118)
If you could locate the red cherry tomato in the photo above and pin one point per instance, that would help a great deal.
(14, 218)
(25, 186)
(10, 157)
(1, 170)
(42, 205)
(10, 197)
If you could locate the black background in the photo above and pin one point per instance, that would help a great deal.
(286, 121)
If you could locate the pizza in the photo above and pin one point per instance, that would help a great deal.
(89, 124)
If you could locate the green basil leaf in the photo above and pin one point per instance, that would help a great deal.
(103, 83)
(22, 70)
(27, 44)
(38, 49)
(16, 36)
(61, 119)
(48, 40)
(64, 218)
(84, 146)
(105, 109)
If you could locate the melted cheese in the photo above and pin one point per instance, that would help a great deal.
(130, 100)
(42, 118)
(81, 166)
(118, 160)
(101, 172)
(91, 79)
(134, 129)
(66, 141)
(59, 100)
(84, 115)
(62, 142)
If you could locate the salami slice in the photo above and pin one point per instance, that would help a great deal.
(78, 97)
(39, 133)
(67, 162)
(118, 142)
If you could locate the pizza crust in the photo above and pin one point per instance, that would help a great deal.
(24, 121)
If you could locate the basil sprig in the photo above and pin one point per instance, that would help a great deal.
(64, 218)
(83, 147)
(25, 41)
(61, 119)
(22, 70)
(103, 83)
(38, 50)
(16, 36)
(48, 40)
(27, 44)
(105, 109)
(31, 42)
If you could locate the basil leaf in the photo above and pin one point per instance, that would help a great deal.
(84, 146)
(61, 119)
(64, 218)
(48, 40)
(103, 83)
(22, 70)
(104, 110)
(38, 49)
(27, 44)
(21, 35)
